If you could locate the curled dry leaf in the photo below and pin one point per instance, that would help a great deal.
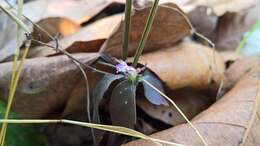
(45, 84)
(187, 64)
(190, 102)
(78, 11)
(170, 25)
(54, 26)
(55, 16)
(232, 27)
(81, 40)
(229, 57)
(221, 6)
(233, 120)
(203, 21)
(58, 17)
(238, 70)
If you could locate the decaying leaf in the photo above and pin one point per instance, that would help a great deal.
(54, 26)
(190, 102)
(78, 11)
(229, 57)
(80, 40)
(221, 6)
(187, 64)
(238, 69)
(232, 120)
(60, 17)
(203, 21)
(170, 25)
(45, 84)
(144, 127)
(232, 27)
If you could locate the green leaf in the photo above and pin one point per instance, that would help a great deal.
(21, 134)
(153, 96)
(122, 104)
(98, 93)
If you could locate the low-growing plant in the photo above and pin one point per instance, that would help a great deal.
(127, 76)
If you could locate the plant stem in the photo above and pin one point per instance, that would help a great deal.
(246, 37)
(16, 19)
(127, 28)
(145, 34)
(205, 39)
(13, 89)
(179, 110)
(15, 72)
(110, 128)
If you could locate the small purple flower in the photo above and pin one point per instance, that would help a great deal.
(124, 68)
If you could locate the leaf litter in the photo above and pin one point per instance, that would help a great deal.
(189, 72)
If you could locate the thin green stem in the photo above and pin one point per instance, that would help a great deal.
(15, 72)
(13, 89)
(109, 128)
(127, 28)
(16, 19)
(145, 34)
(18, 41)
(247, 36)
(179, 110)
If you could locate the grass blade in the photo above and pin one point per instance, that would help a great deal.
(179, 110)
(15, 72)
(246, 37)
(145, 34)
(109, 128)
(127, 28)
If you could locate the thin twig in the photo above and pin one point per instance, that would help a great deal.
(204, 38)
(70, 56)
(106, 64)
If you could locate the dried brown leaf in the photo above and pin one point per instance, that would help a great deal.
(187, 64)
(170, 25)
(233, 120)
(232, 27)
(190, 102)
(100, 29)
(45, 84)
(54, 26)
(78, 11)
(221, 6)
(238, 69)
(203, 21)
